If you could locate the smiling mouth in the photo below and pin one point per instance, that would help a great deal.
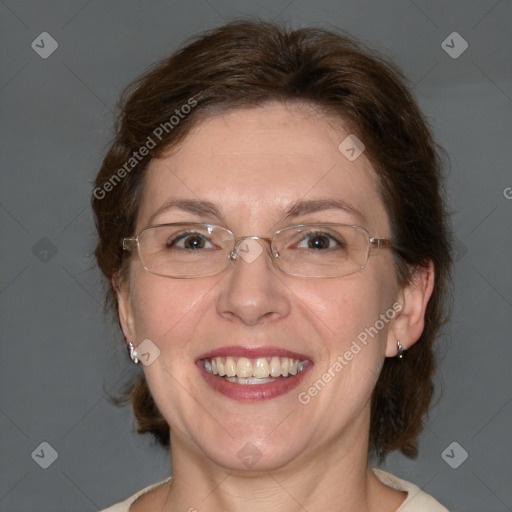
(251, 371)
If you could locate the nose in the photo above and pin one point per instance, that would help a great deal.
(252, 291)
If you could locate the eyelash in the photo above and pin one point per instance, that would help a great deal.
(319, 234)
(183, 236)
(307, 236)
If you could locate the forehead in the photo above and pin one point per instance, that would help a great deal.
(254, 163)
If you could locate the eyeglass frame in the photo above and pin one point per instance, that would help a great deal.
(373, 243)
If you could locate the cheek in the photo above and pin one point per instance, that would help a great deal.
(347, 306)
(353, 315)
(333, 312)
(164, 308)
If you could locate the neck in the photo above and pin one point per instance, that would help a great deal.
(333, 476)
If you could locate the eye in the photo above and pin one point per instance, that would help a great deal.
(318, 241)
(192, 241)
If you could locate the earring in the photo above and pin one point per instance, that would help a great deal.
(401, 350)
(132, 353)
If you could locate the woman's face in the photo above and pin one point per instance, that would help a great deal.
(254, 165)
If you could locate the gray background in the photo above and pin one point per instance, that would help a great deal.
(59, 355)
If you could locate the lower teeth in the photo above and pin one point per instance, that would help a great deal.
(239, 380)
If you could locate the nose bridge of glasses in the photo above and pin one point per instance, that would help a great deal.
(250, 247)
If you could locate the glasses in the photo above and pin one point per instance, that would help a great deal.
(182, 250)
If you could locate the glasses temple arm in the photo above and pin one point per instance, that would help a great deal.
(380, 242)
(129, 243)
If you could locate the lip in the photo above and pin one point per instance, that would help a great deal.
(252, 353)
(253, 392)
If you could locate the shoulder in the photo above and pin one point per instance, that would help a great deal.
(416, 501)
(124, 506)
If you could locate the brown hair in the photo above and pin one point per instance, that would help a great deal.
(246, 64)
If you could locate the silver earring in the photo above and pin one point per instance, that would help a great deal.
(401, 350)
(132, 353)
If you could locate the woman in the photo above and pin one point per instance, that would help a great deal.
(273, 231)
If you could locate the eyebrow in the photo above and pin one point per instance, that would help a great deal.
(317, 205)
(202, 208)
(196, 207)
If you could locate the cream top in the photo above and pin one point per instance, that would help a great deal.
(416, 501)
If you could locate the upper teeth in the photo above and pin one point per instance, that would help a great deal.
(260, 368)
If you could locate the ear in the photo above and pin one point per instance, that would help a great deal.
(410, 320)
(126, 316)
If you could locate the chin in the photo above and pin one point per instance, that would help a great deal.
(249, 457)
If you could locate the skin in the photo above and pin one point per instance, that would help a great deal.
(253, 164)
